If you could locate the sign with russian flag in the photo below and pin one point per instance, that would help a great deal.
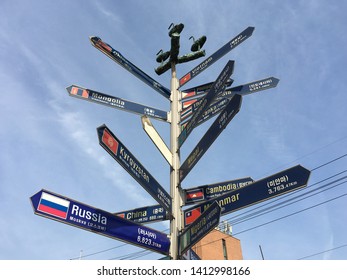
(53, 205)
(77, 214)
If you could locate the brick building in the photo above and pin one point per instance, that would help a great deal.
(219, 245)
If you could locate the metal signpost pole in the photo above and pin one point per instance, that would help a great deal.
(176, 221)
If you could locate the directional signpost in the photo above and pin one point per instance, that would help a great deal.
(217, 55)
(127, 65)
(278, 184)
(116, 102)
(211, 135)
(188, 109)
(148, 214)
(207, 192)
(77, 214)
(126, 159)
(190, 105)
(217, 86)
(200, 227)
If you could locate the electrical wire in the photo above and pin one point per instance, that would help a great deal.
(329, 250)
(278, 219)
(291, 200)
(286, 196)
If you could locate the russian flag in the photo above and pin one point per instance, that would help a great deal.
(53, 205)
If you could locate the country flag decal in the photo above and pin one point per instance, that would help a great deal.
(192, 215)
(80, 92)
(185, 79)
(194, 195)
(53, 205)
(110, 142)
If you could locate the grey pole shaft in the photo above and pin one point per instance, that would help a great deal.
(176, 221)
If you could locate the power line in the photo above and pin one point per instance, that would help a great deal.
(329, 250)
(280, 218)
(292, 214)
(329, 162)
(286, 196)
(99, 252)
(282, 205)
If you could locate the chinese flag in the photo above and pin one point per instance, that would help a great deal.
(110, 142)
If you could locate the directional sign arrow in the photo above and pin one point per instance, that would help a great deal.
(190, 105)
(211, 135)
(200, 227)
(116, 102)
(211, 111)
(202, 89)
(217, 86)
(127, 65)
(156, 139)
(77, 214)
(126, 159)
(217, 55)
(147, 214)
(207, 192)
(259, 85)
(278, 184)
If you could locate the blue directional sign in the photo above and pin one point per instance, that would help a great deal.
(211, 135)
(191, 102)
(116, 102)
(207, 192)
(127, 160)
(127, 65)
(259, 85)
(147, 214)
(217, 55)
(217, 86)
(200, 90)
(278, 184)
(74, 213)
(200, 227)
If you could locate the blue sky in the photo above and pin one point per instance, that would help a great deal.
(48, 139)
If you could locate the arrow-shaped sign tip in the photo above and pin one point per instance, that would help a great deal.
(93, 40)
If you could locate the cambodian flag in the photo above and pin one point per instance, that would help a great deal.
(194, 195)
(53, 205)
